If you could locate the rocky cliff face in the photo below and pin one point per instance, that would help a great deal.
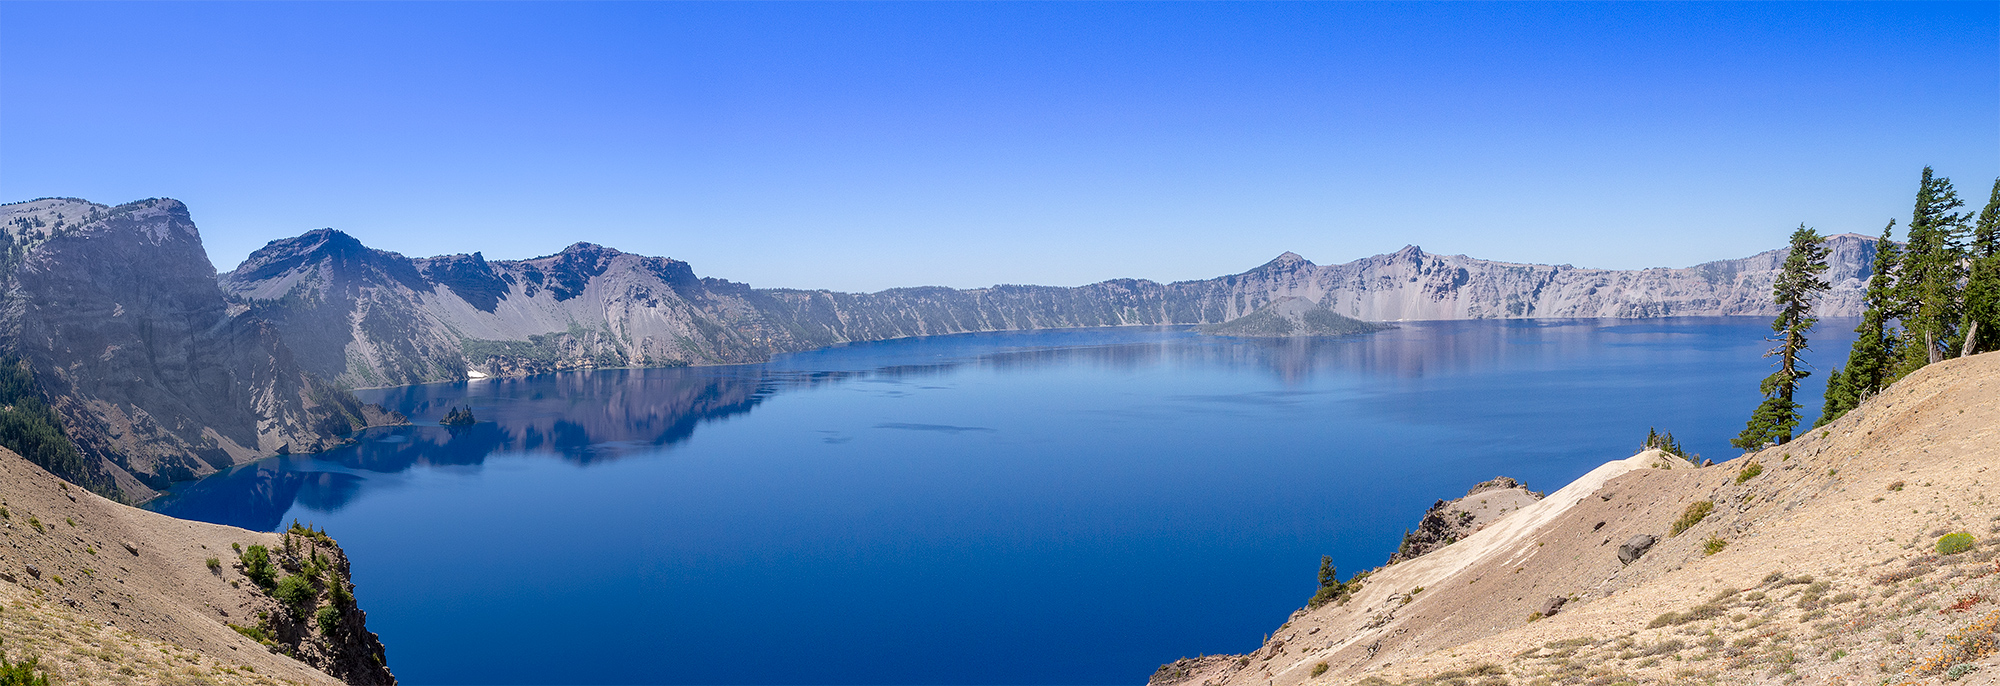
(157, 378)
(371, 318)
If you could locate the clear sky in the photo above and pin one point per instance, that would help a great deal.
(861, 146)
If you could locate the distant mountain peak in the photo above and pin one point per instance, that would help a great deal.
(1288, 260)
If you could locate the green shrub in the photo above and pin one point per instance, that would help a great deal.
(1319, 669)
(1750, 471)
(296, 593)
(24, 673)
(35, 522)
(328, 619)
(214, 564)
(253, 633)
(1952, 544)
(257, 566)
(1692, 516)
(1713, 545)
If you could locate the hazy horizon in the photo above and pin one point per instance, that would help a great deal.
(859, 147)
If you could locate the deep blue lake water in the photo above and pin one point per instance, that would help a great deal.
(1051, 507)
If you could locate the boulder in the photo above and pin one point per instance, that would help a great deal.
(1549, 609)
(1635, 547)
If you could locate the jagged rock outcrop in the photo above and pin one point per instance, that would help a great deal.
(326, 628)
(371, 318)
(1449, 521)
(156, 377)
(1289, 317)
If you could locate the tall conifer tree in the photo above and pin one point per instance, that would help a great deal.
(1874, 353)
(1928, 285)
(1797, 286)
(1982, 284)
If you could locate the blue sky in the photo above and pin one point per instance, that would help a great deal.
(861, 146)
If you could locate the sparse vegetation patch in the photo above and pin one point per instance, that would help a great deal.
(1692, 516)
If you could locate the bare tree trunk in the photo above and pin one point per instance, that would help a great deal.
(1971, 337)
(1931, 348)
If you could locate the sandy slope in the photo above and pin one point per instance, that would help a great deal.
(100, 613)
(1826, 575)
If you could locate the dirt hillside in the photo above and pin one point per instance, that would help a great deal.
(103, 593)
(1819, 561)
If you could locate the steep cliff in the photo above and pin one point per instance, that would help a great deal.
(371, 318)
(155, 376)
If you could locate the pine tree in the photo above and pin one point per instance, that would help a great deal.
(1797, 286)
(1874, 352)
(1928, 286)
(1982, 283)
(1331, 589)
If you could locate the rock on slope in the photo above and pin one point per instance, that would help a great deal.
(104, 593)
(1819, 564)
(1291, 316)
(156, 377)
(371, 318)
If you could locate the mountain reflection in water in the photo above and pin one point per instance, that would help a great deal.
(588, 417)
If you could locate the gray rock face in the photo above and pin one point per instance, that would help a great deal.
(156, 377)
(371, 318)
(1635, 547)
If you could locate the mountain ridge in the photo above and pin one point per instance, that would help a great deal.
(437, 318)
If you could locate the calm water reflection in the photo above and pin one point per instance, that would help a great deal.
(1057, 507)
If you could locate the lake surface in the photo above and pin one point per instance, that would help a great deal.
(1051, 507)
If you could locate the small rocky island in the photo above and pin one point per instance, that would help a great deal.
(1290, 317)
(459, 416)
